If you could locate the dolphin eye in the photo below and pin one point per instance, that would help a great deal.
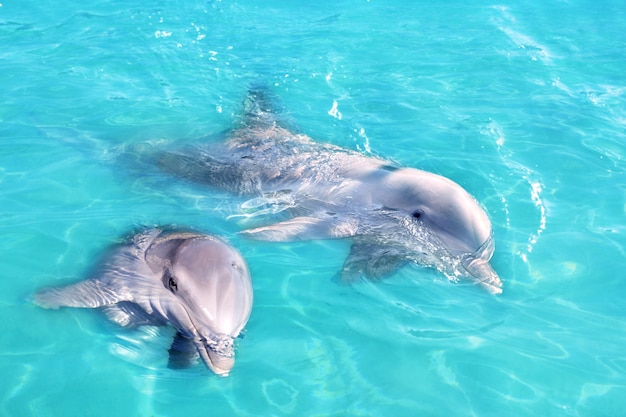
(170, 282)
(416, 214)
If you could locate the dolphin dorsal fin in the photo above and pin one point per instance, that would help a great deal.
(260, 107)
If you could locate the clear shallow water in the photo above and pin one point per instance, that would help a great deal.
(524, 105)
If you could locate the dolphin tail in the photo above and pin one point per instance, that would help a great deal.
(186, 166)
(203, 170)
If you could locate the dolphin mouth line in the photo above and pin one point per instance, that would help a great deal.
(485, 251)
(477, 266)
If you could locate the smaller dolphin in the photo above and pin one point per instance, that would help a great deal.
(194, 282)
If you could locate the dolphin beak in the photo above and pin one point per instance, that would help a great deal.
(219, 363)
(483, 275)
(477, 265)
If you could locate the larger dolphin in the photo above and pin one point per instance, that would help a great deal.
(395, 215)
(194, 282)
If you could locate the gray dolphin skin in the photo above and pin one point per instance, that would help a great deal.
(394, 215)
(193, 282)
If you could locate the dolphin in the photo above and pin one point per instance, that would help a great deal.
(193, 282)
(394, 215)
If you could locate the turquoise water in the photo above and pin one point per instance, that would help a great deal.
(522, 103)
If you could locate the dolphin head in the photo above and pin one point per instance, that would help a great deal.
(211, 298)
(450, 214)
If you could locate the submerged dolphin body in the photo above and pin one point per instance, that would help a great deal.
(395, 215)
(194, 282)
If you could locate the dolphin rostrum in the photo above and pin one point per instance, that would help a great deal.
(395, 215)
(193, 282)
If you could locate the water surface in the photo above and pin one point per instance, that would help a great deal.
(524, 104)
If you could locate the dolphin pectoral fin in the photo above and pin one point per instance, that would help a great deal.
(129, 314)
(304, 228)
(183, 352)
(371, 261)
(85, 294)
